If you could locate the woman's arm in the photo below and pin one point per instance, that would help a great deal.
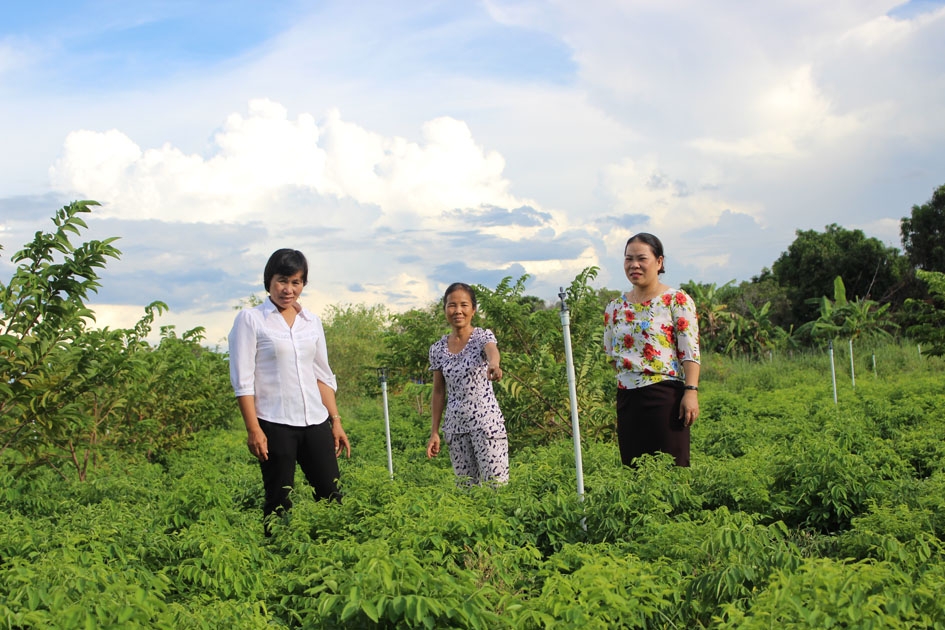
(492, 359)
(242, 346)
(689, 408)
(255, 438)
(437, 405)
(328, 399)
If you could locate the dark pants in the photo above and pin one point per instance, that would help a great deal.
(648, 422)
(313, 447)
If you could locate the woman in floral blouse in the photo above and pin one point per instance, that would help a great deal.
(652, 336)
(464, 364)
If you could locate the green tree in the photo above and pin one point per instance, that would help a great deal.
(355, 337)
(715, 319)
(761, 289)
(407, 342)
(929, 315)
(179, 388)
(868, 268)
(70, 392)
(753, 334)
(42, 313)
(923, 233)
(534, 393)
(860, 318)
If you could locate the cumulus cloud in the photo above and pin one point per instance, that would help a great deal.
(259, 156)
(793, 116)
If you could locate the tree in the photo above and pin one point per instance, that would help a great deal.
(68, 391)
(923, 233)
(533, 393)
(869, 269)
(712, 312)
(355, 338)
(929, 315)
(758, 291)
(860, 318)
(407, 342)
(42, 313)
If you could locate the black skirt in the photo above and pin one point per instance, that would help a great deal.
(648, 422)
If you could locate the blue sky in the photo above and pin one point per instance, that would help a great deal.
(403, 146)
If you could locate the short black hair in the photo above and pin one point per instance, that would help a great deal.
(460, 286)
(285, 262)
(656, 246)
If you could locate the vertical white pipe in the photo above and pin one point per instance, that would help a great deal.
(833, 372)
(390, 455)
(852, 374)
(572, 392)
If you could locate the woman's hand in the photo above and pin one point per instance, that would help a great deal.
(433, 446)
(494, 373)
(341, 438)
(689, 407)
(258, 444)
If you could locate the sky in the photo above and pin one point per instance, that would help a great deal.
(404, 146)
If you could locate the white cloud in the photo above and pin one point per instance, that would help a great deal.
(669, 203)
(257, 156)
(794, 117)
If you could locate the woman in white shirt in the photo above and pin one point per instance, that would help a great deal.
(286, 389)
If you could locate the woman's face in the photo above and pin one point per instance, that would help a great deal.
(640, 265)
(459, 309)
(284, 291)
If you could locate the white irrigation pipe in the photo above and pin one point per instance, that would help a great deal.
(833, 372)
(382, 376)
(572, 391)
(852, 375)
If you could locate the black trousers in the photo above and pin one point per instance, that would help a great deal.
(648, 422)
(313, 447)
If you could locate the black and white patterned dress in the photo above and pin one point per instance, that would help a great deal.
(471, 405)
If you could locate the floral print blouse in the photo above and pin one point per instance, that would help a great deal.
(648, 341)
(470, 401)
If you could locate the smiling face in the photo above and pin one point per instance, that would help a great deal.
(459, 309)
(641, 265)
(284, 290)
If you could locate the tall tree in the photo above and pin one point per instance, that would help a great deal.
(923, 233)
(929, 315)
(807, 269)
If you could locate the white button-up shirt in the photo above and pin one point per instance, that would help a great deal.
(280, 366)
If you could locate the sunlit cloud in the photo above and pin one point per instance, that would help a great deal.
(259, 155)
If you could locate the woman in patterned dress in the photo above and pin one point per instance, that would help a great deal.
(652, 336)
(464, 364)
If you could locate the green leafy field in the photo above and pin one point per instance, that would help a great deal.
(795, 513)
